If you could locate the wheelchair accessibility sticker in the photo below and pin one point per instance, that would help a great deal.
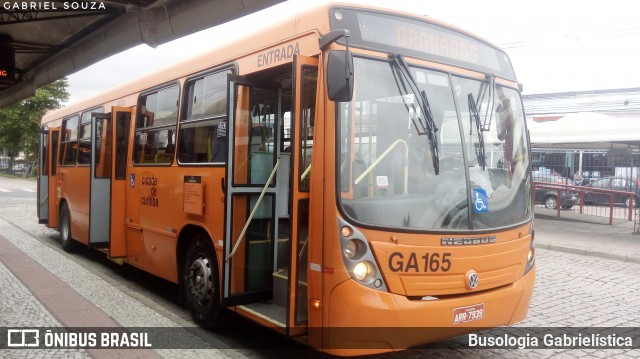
(480, 201)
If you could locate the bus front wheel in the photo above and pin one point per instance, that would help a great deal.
(67, 242)
(200, 282)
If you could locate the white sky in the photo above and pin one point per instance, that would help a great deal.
(554, 45)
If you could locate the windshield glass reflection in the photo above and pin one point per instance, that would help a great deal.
(386, 171)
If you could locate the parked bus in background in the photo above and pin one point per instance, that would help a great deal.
(356, 178)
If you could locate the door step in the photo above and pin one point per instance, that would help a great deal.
(117, 260)
(271, 313)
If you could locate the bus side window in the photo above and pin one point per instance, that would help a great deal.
(54, 153)
(84, 137)
(307, 123)
(45, 153)
(203, 126)
(69, 143)
(156, 126)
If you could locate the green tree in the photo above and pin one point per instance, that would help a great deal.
(20, 122)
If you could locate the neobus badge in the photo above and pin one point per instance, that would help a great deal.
(472, 241)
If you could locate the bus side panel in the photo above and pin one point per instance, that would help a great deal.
(334, 271)
(121, 125)
(53, 203)
(135, 245)
(74, 188)
(155, 198)
(317, 211)
(118, 203)
(522, 309)
(156, 215)
(212, 218)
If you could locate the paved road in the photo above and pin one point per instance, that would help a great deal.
(15, 191)
(571, 290)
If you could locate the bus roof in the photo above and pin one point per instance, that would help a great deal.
(297, 23)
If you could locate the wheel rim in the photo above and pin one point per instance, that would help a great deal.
(551, 202)
(199, 280)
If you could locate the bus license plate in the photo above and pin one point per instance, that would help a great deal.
(468, 314)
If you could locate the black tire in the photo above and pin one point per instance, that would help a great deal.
(64, 226)
(551, 202)
(200, 282)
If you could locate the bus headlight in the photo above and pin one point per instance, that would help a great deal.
(358, 258)
(361, 271)
(351, 249)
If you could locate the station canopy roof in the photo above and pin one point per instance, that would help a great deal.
(52, 39)
(586, 131)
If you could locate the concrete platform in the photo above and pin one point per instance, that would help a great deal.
(587, 235)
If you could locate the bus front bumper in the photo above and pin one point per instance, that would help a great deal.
(365, 321)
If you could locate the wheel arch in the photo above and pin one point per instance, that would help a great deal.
(187, 234)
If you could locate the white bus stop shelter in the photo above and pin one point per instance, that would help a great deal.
(586, 132)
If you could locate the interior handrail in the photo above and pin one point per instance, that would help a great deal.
(383, 155)
(253, 211)
(305, 173)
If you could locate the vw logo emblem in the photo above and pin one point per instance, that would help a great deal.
(472, 280)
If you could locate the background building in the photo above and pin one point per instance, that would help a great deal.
(592, 133)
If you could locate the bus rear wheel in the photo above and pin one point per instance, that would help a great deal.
(64, 225)
(200, 282)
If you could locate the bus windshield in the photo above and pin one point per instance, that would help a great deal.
(386, 172)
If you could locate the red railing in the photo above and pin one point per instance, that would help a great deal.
(581, 190)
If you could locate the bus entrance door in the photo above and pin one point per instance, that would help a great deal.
(47, 213)
(252, 192)
(43, 179)
(305, 70)
(100, 183)
(109, 143)
(52, 196)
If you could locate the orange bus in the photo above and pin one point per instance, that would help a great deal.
(356, 178)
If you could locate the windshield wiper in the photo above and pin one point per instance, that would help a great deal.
(488, 112)
(425, 124)
(473, 115)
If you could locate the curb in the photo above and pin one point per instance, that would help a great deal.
(590, 253)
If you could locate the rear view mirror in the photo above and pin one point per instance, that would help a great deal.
(340, 75)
